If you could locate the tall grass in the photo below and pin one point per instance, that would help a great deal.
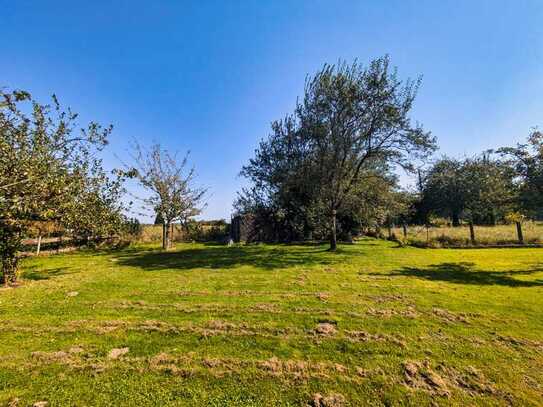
(447, 236)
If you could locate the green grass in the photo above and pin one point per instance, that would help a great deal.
(447, 236)
(239, 326)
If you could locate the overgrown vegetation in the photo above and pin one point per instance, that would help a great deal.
(371, 324)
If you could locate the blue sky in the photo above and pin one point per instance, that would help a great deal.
(210, 76)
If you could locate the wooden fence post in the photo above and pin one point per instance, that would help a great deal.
(471, 232)
(519, 233)
(38, 248)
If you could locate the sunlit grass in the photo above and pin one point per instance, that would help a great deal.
(260, 325)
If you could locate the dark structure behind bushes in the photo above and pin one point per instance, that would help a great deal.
(249, 228)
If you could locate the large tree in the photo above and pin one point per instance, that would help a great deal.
(356, 117)
(351, 121)
(47, 167)
(173, 195)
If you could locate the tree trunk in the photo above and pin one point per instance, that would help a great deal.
(405, 230)
(167, 236)
(519, 233)
(9, 270)
(333, 234)
(38, 247)
(164, 246)
(10, 243)
(471, 233)
(455, 219)
(389, 229)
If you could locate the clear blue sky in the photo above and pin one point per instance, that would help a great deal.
(210, 76)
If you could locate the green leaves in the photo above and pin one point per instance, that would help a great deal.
(352, 124)
(50, 171)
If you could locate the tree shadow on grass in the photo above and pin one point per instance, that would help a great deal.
(465, 273)
(35, 273)
(224, 257)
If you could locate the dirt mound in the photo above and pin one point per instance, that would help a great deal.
(117, 353)
(325, 329)
(442, 380)
(332, 400)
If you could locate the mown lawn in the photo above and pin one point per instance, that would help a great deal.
(271, 325)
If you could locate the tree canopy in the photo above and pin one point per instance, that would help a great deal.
(352, 125)
(50, 172)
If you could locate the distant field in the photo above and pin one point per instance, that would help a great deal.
(266, 325)
(484, 235)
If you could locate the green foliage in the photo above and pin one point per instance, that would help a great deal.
(319, 164)
(49, 172)
(476, 189)
(527, 162)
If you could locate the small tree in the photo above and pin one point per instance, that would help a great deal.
(173, 198)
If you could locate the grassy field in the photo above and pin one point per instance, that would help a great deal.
(446, 236)
(268, 325)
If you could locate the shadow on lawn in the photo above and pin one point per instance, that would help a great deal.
(465, 273)
(35, 273)
(221, 257)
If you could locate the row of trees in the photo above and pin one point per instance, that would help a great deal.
(496, 186)
(329, 167)
(51, 173)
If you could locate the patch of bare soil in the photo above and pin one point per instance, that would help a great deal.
(271, 308)
(442, 380)
(322, 296)
(385, 298)
(166, 363)
(361, 372)
(325, 329)
(331, 400)
(363, 336)
(449, 316)
(300, 369)
(116, 353)
(73, 357)
(509, 340)
(409, 312)
(14, 402)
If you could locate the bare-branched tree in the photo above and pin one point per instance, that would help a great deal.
(174, 198)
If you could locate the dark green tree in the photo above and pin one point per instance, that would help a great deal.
(325, 157)
(527, 162)
(356, 117)
(478, 189)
